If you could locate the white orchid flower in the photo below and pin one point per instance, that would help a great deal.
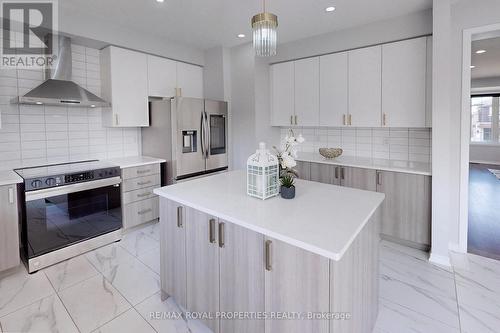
(289, 161)
(300, 139)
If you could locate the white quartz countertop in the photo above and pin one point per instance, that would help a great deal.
(419, 168)
(9, 177)
(134, 161)
(323, 219)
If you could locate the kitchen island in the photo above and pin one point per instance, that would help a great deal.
(244, 265)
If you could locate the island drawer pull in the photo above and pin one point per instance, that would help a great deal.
(269, 255)
(180, 224)
(11, 195)
(144, 211)
(222, 234)
(140, 172)
(144, 183)
(144, 194)
(211, 231)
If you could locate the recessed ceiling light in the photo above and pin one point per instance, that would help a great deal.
(472, 66)
(480, 51)
(329, 9)
(241, 35)
(92, 106)
(160, 1)
(38, 103)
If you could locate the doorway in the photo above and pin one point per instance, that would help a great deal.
(480, 161)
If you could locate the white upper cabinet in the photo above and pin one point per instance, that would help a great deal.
(190, 80)
(365, 84)
(307, 92)
(404, 69)
(282, 94)
(333, 87)
(162, 76)
(125, 85)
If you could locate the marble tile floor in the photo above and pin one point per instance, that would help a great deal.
(117, 289)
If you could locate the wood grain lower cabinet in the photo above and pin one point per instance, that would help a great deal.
(297, 281)
(362, 179)
(9, 228)
(173, 250)
(304, 170)
(406, 210)
(241, 277)
(325, 173)
(202, 258)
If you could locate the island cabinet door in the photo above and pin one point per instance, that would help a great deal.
(325, 173)
(202, 252)
(241, 277)
(363, 179)
(173, 250)
(406, 210)
(295, 281)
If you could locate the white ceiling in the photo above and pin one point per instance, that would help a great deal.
(208, 23)
(487, 64)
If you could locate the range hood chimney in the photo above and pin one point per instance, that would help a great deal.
(58, 89)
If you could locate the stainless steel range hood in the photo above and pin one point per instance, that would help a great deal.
(58, 89)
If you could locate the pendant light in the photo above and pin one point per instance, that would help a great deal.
(264, 27)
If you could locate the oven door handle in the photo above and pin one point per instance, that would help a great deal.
(66, 189)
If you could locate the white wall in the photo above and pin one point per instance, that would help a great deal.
(36, 135)
(74, 23)
(464, 14)
(408, 26)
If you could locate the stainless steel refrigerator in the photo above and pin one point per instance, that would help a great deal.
(190, 134)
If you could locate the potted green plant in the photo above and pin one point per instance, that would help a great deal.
(287, 186)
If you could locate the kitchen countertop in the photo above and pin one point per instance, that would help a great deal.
(323, 219)
(134, 161)
(419, 168)
(9, 177)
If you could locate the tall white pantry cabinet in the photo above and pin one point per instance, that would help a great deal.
(379, 86)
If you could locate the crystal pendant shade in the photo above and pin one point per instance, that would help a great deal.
(264, 27)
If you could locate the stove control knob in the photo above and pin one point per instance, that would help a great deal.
(50, 181)
(36, 183)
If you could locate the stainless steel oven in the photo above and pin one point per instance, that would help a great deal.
(80, 213)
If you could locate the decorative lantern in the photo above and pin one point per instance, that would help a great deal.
(262, 174)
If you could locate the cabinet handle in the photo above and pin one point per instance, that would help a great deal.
(343, 119)
(11, 195)
(350, 119)
(144, 194)
(222, 234)
(342, 173)
(144, 211)
(296, 121)
(269, 255)
(379, 178)
(384, 119)
(143, 183)
(180, 224)
(211, 231)
(140, 172)
(116, 119)
(291, 120)
(336, 172)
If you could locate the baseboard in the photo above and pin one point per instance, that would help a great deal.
(440, 260)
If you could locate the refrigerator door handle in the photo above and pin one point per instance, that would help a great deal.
(208, 135)
(202, 134)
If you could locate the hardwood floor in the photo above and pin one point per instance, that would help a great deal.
(484, 211)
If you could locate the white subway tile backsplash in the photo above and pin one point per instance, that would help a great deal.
(406, 144)
(34, 135)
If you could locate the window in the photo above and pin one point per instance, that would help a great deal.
(484, 119)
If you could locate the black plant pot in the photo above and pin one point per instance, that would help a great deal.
(287, 192)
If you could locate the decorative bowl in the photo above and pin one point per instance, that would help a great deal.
(330, 152)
